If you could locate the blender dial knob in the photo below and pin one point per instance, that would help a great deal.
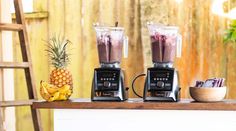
(107, 84)
(160, 84)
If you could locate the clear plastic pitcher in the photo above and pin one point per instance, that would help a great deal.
(165, 43)
(110, 41)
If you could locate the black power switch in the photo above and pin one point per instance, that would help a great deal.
(107, 84)
(160, 84)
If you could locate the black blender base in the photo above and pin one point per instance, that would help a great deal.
(161, 85)
(108, 85)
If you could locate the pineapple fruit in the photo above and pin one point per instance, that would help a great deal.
(57, 50)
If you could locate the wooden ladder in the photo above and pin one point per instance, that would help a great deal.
(20, 27)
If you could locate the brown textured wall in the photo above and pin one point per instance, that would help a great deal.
(204, 54)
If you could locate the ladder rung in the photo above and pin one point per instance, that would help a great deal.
(14, 65)
(11, 27)
(16, 103)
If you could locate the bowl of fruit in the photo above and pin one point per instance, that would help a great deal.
(211, 90)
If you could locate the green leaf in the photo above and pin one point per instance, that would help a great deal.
(233, 36)
(233, 22)
(230, 34)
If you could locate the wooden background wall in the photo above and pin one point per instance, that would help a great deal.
(204, 55)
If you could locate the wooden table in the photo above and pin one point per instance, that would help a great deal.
(134, 114)
(135, 103)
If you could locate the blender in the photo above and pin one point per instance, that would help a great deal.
(161, 83)
(108, 81)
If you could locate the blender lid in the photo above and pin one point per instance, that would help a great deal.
(168, 27)
(104, 27)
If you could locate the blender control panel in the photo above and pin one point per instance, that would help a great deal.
(160, 79)
(107, 80)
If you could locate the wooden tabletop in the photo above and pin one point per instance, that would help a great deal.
(184, 104)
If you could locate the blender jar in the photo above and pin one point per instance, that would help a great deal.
(110, 44)
(164, 43)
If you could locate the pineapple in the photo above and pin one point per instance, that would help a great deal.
(57, 50)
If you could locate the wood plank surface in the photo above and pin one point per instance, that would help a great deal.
(73, 23)
(16, 103)
(184, 104)
(11, 27)
(14, 65)
(34, 15)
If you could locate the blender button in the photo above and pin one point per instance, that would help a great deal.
(114, 84)
(155, 79)
(152, 84)
(168, 84)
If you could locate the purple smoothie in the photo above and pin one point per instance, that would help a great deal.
(163, 48)
(109, 49)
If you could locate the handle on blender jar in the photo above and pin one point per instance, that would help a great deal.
(179, 46)
(126, 46)
(134, 82)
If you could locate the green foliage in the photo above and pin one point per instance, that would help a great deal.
(57, 51)
(230, 35)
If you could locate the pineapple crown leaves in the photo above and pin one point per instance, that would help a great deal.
(230, 35)
(57, 51)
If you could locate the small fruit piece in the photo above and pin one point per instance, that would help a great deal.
(50, 88)
(64, 89)
(54, 96)
(44, 93)
(62, 97)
